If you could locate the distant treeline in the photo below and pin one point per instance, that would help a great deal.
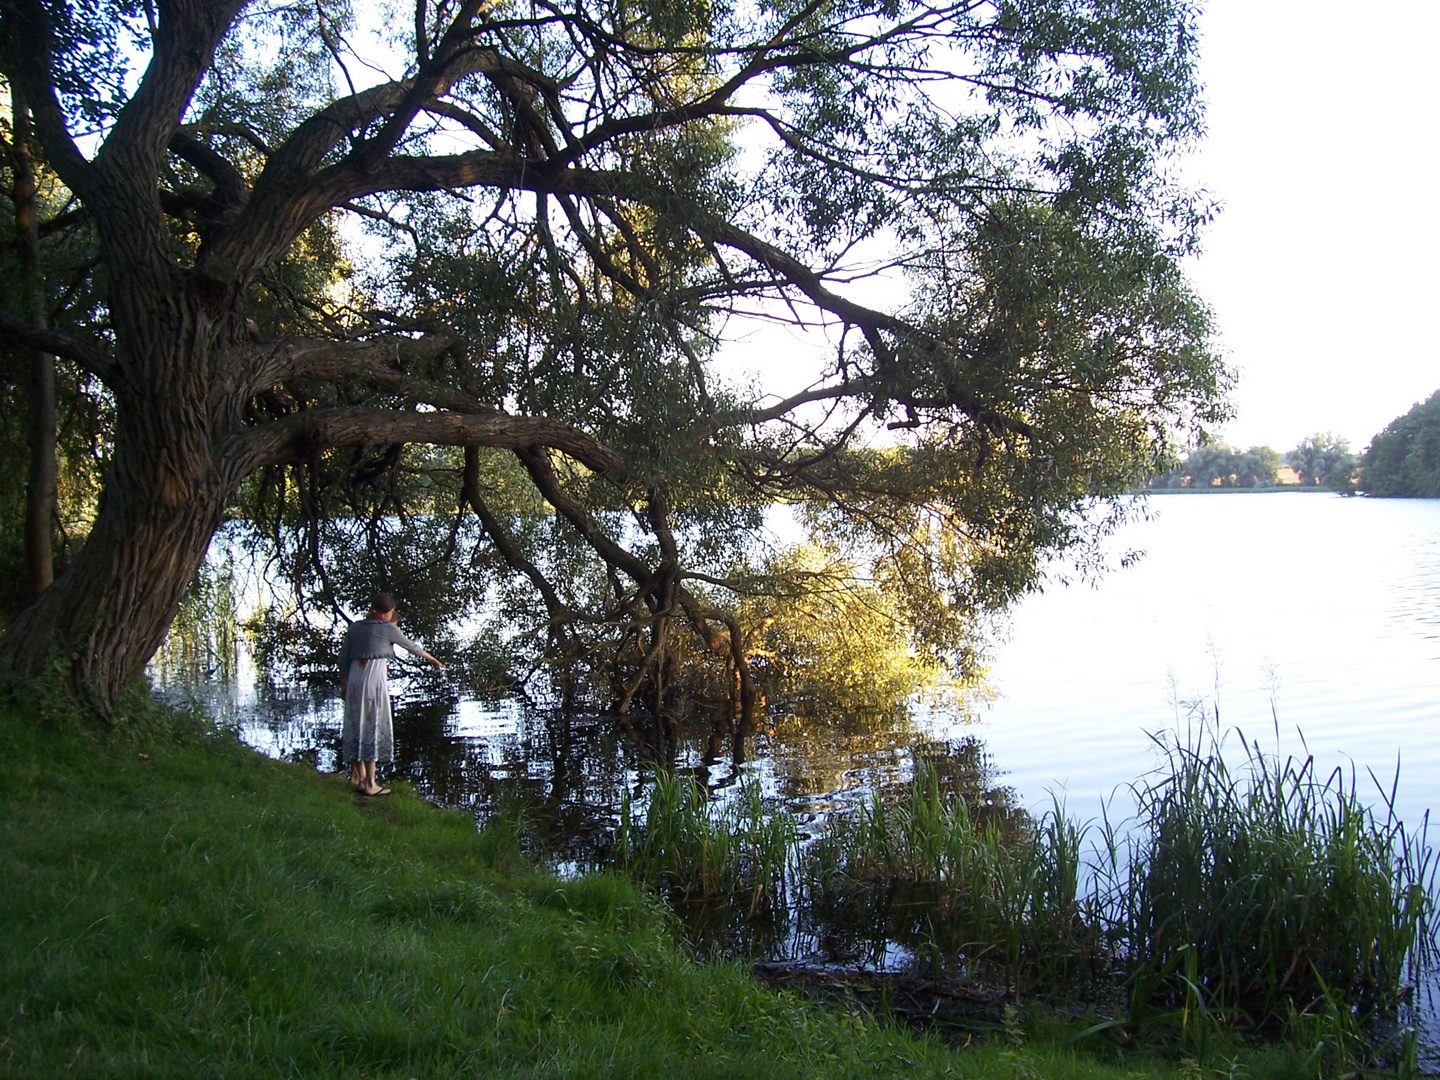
(1322, 460)
(1403, 460)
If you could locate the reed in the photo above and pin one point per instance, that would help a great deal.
(1259, 897)
(698, 849)
(966, 893)
(1269, 889)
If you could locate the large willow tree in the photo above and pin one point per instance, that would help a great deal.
(525, 227)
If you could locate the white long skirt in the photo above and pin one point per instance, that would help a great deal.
(366, 734)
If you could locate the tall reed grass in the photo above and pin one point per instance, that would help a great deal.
(964, 892)
(1260, 895)
(698, 849)
(1266, 887)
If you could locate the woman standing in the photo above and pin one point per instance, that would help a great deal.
(366, 736)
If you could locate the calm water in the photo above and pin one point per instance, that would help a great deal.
(1326, 606)
(1288, 613)
(1326, 609)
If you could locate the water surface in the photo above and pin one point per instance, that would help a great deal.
(1307, 620)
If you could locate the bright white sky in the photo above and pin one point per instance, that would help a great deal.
(1322, 267)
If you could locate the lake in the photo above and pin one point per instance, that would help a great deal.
(1309, 621)
(1327, 607)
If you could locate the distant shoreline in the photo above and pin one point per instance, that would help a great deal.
(1305, 489)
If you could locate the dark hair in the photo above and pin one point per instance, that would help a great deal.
(383, 603)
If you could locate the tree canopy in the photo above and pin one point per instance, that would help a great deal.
(526, 232)
(1323, 460)
(1217, 464)
(1404, 459)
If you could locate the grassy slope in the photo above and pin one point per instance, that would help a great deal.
(204, 911)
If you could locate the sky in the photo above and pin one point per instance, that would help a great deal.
(1322, 266)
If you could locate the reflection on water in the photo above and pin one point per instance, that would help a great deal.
(566, 770)
(1329, 607)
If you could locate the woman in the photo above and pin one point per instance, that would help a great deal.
(366, 737)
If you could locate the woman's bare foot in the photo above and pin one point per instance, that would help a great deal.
(372, 792)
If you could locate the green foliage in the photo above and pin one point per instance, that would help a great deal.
(204, 639)
(1323, 460)
(1219, 465)
(1063, 310)
(1404, 459)
(93, 44)
(827, 631)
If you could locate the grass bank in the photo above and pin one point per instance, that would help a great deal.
(182, 906)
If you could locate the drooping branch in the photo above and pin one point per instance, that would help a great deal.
(542, 472)
(537, 464)
(558, 611)
(29, 61)
(66, 219)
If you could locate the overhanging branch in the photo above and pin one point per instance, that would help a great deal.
(61, 344)
(306, 434)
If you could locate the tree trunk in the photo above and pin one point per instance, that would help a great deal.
(164, 497)
(40, 495)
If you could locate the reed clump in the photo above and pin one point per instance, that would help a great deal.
(1266, 889)
(966, 893)
(696, 849)
(1263, 896)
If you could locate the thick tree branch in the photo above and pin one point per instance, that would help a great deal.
(537, 464)
(306, 434)
(231, 190)
(291, 358)
(484, 168)
(285, 201)
(61, 344)
(184, 48)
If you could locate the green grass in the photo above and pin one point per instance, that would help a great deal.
(182, 906)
